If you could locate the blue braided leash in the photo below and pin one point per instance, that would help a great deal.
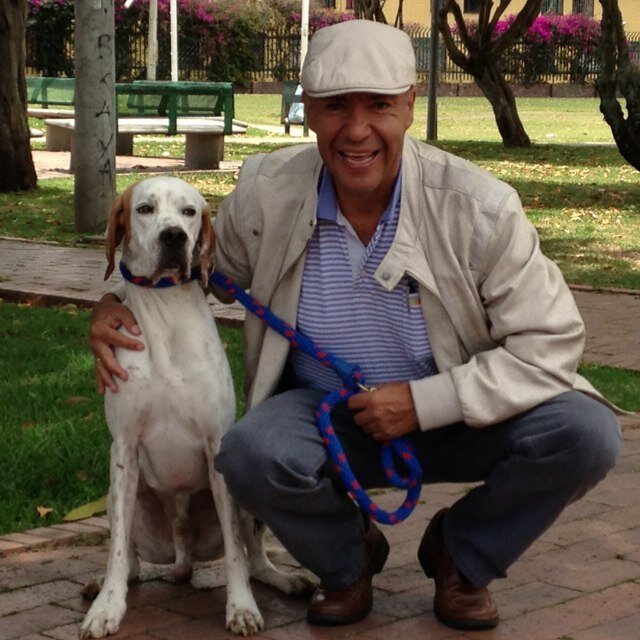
(353, 381)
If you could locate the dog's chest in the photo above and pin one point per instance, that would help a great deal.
(179, 398)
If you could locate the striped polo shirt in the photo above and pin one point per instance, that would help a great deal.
(346, 312)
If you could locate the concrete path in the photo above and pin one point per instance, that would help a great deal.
(580, 581)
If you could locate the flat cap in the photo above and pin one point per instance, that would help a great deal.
(358, 56)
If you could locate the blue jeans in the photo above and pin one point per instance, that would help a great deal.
(531, 467)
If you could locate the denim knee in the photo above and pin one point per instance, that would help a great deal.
(593, 439)
(234, 462)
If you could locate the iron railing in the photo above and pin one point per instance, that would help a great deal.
(275, 55)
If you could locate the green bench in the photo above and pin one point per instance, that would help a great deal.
(152, 98)
(50, 97)
(291, 108)
(202, 111)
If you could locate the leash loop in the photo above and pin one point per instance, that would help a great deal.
(353, 380)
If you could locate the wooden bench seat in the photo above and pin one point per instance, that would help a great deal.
(204, 137)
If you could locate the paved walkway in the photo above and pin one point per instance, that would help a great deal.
(580, 581)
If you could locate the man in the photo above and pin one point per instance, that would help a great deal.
(424, 270)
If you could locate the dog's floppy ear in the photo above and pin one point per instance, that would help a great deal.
(207, 243)
(116, 228)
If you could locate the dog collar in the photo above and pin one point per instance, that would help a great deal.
(162, 283)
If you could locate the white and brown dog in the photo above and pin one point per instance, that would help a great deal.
(166, 502)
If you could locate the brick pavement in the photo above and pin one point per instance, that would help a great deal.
(580, 581)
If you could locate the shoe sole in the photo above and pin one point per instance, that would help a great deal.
(467, 625)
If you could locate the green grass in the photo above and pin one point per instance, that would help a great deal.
(557, 120)
(55, 442)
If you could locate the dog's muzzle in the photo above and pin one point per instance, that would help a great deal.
(173, 254)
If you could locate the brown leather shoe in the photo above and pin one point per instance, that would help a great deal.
(457, 603)
(345, 606)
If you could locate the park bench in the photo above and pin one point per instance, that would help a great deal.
(50, 97)
(291, 107)
(204, 137)
(202, 111)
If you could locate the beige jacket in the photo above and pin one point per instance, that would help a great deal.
(504, 328)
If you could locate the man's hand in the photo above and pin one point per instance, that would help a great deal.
(109, 314)
(386, 413)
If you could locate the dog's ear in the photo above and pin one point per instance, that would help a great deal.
(115, 230)
(207, 242)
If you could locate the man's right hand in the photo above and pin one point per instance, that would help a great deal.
(109, 314)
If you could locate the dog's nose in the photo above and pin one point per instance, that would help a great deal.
(173, 237)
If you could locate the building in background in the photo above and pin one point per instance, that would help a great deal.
(417, 11)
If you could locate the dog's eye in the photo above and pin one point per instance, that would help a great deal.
(144, 208)
(189, 211)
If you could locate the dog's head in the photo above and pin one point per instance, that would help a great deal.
(165, 225)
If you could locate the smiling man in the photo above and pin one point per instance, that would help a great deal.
(422, 269)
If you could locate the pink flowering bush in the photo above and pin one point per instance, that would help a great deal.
(223, 37)
(552, 44)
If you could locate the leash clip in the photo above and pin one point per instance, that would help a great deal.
(364, 387)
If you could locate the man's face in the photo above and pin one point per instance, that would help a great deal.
(360, 138)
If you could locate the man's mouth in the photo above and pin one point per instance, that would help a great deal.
(358, 159)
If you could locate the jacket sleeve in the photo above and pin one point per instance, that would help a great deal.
(236, 227)
(536, 335)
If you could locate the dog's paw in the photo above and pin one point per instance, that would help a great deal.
(296, 582)
(242, 620)
(103, 618)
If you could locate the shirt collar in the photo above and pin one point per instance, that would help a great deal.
(328, 201)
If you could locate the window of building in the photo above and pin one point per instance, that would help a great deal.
(349, 4)
(583, 6)
(552, 6)
(472, 6)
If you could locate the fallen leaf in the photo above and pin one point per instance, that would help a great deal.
(87, 510)
(43, 511)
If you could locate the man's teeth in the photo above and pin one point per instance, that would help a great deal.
(360, 158)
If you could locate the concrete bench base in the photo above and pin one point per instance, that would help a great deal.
(204, 137)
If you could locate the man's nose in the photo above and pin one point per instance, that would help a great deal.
(357, 123)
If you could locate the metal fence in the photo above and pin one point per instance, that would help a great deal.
(275, 55)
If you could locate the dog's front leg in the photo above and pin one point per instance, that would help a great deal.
(242, 614)
(108, 609)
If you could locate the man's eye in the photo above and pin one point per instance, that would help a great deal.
(144, 208)
(189, 211)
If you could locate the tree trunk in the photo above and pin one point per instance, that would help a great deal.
(370, 10)
(479, 51)
(499, 94)
(618, 75)
(18, 173)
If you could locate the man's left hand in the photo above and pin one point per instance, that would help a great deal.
(387, 412)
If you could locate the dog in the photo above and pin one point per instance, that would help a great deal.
(166, 502)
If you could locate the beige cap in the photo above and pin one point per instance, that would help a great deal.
(358, 56)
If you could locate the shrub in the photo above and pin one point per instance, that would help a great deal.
(50, 28)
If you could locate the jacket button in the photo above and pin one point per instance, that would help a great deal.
(386, 275)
